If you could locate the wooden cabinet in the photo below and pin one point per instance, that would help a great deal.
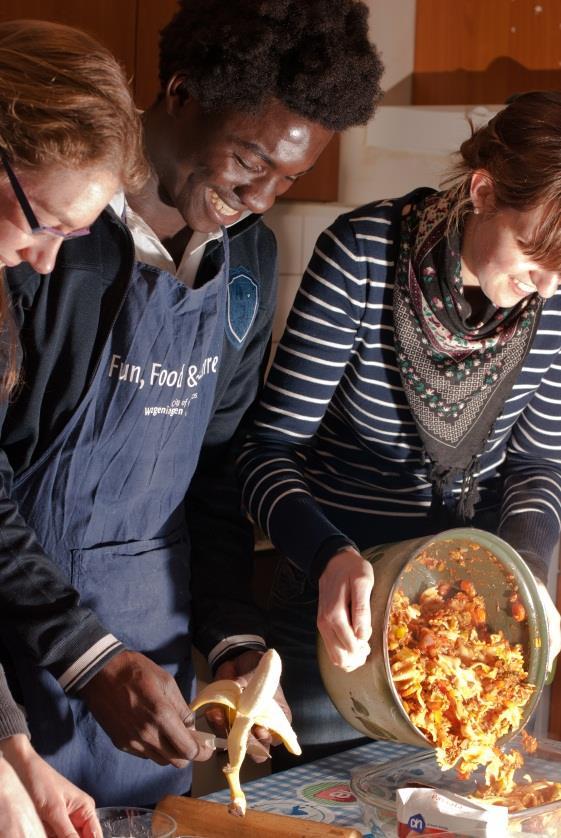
(113, 22)
(152, 17)
(477, 51)
(130, 29)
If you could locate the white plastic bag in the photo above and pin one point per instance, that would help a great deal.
(430, 812)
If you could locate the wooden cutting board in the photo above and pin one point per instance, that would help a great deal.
(204, 819)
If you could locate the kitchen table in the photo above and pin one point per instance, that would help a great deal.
(319, 790)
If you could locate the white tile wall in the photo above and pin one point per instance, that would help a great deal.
(297, 226)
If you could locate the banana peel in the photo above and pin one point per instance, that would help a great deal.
(253, 705)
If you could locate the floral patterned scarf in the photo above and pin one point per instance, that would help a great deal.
(456, 373)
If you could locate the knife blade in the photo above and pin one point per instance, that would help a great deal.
(254, 746)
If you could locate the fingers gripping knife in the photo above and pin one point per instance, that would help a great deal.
(253, 705)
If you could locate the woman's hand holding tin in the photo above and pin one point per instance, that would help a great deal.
(344, 619)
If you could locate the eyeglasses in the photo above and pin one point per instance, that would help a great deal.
(36, 228)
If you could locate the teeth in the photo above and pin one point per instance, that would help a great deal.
(525, 289)
(220, 206)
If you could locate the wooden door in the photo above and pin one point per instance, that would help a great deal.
(113, 22)
(152, 17)
(482, 51)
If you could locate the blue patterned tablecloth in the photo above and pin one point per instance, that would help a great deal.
(319, 790)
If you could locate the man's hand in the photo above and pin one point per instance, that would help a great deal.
(141, 708)
(65, 811)
(344, 619)
(240, 669)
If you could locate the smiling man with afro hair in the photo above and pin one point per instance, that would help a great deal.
(251, 93)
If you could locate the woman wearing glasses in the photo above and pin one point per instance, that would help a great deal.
(69, 138)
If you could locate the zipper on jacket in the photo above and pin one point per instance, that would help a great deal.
(124, 230)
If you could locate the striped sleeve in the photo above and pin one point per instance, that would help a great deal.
(89, 663)
(531, 508)
(310, 361)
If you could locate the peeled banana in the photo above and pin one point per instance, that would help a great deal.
(253, 705)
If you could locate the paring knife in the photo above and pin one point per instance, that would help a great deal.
(254, 746)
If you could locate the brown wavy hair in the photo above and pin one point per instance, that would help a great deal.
(520, 148)
(64, 100)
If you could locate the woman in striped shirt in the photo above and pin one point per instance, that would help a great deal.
(417, 387)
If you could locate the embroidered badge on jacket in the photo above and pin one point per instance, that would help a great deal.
(243, 301)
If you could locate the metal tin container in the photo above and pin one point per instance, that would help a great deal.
(367, 697)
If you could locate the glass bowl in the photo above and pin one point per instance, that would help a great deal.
(135, 822)
(375, 787)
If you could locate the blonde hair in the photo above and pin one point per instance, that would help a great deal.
(64, 100)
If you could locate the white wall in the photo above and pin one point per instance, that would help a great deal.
(297, 226)
(392, 28)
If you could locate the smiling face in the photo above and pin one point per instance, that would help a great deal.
(223, 164)
(494, 250)
(66, 199)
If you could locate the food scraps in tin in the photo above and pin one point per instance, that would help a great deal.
(465, 688)
(461, 685)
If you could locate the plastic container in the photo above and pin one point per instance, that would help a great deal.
(375, 786)
(135, 822)
(367, 697)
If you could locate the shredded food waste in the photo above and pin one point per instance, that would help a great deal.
(465, 686)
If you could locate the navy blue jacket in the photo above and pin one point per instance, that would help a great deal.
(58, 356)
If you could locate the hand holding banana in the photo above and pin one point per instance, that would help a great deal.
(253, 705)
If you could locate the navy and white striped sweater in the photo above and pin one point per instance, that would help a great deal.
(335, 457)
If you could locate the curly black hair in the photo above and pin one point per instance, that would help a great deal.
(312, 55)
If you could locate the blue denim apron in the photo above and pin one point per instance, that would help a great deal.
(106, 502)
